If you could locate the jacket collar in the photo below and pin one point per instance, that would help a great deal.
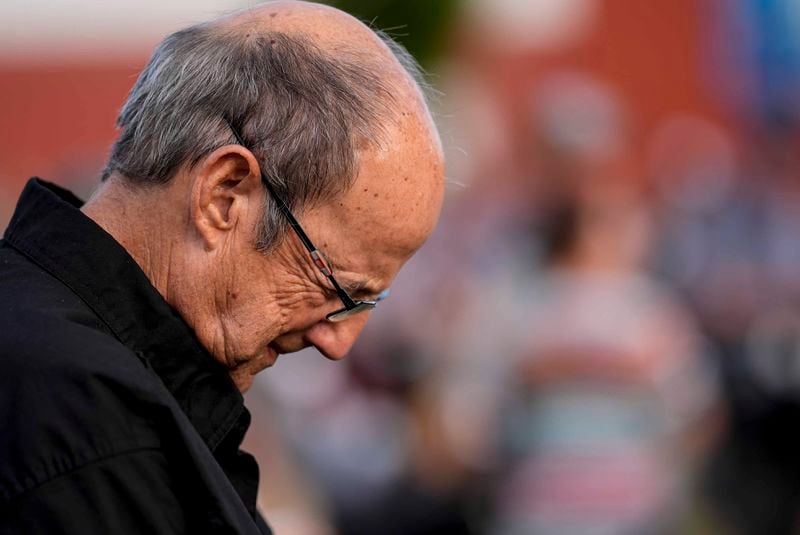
(49, 228)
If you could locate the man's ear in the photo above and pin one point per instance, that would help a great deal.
(226, 194)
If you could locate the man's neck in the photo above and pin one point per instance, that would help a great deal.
(133, 219)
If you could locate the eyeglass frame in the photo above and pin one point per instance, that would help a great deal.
(351, 306)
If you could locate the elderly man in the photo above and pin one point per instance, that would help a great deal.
(274, 170)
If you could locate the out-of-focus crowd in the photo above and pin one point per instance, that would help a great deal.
(603, 334)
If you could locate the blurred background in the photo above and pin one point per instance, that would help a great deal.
(603, 334)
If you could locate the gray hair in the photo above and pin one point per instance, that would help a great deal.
(303, 113)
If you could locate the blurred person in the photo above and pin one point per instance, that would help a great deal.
(609, 389)
(608, 380)
(132, 324)
(728, 239)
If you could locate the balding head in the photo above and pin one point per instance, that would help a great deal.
(309, 87)
(330, 29)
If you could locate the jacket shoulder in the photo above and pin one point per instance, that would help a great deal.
(70, 393)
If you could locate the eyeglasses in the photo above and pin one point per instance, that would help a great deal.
(351, 306)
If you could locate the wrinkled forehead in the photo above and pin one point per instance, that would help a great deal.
(395, 201)
(397, 196)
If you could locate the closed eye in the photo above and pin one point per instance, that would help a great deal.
(360, 292)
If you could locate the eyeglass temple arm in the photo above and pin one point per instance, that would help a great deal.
(281, 204)
(316, 256)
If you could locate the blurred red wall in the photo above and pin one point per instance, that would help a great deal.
(650, 52)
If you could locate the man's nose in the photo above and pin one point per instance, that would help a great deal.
(334, 340)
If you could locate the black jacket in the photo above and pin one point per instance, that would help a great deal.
(113, 418)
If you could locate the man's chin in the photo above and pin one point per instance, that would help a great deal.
(287, 344)
(244, 375)
(243, 382)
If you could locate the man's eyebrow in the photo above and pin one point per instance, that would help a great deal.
(354, 286)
